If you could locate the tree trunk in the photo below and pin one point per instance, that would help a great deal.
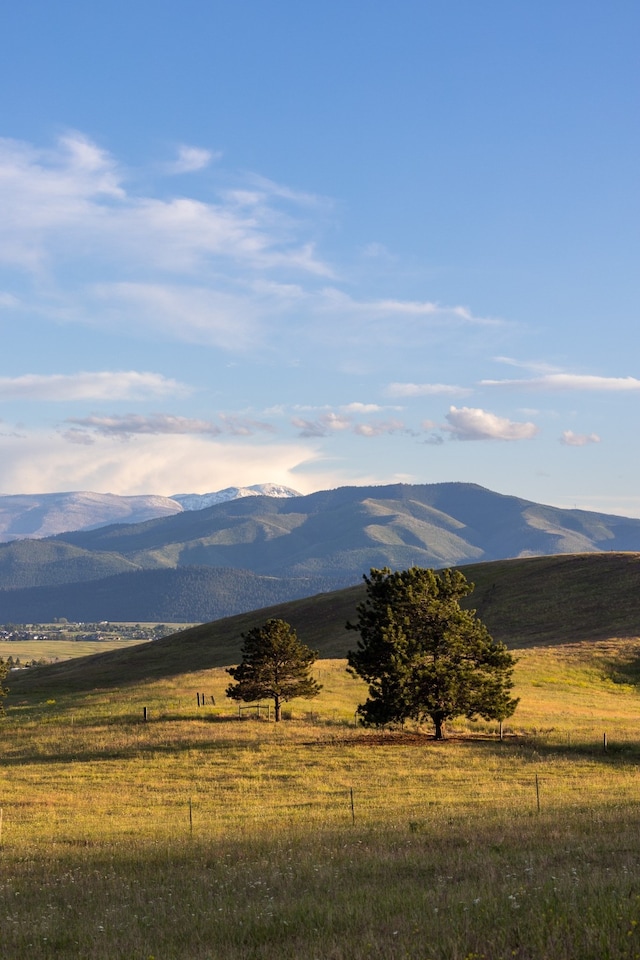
(278, 709)
(439, 725)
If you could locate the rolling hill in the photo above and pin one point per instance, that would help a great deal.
(317, 542)
(526, 602)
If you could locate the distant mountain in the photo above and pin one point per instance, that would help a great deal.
(322, 541)
(47, 514)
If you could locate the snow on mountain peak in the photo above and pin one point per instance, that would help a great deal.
(199, 501)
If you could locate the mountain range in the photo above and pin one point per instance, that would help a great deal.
(47, 514)
(253, 551)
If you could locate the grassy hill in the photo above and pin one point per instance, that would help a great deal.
(529, 602)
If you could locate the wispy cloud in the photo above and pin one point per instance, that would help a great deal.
(569, 381)
(571, 439)
(98, 385)
(192, 159)
(244, 426)
(337, 300)
(194, 314)
(379, 428)
(240, 270)
(131, 424)
(322, 427)
(337, 422)
(469, 423)
(425, 390)
(71, 200)
(156, 423)
(533, 366)
(360, 408)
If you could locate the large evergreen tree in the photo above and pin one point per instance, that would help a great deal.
(424, 656)
(275, 664)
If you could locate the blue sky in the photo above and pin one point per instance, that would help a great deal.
(321, 244)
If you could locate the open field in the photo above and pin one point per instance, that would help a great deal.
(64, 642)
(59, 649)
(195, 835)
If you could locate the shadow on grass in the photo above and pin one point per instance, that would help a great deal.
(520, 748)
(623, 670)
(134, 752)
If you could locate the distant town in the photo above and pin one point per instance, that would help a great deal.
(89, 632)
(28, 637)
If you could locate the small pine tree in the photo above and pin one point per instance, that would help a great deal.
(275, 664)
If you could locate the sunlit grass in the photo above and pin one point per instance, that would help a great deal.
(195, 835)
(59, 649)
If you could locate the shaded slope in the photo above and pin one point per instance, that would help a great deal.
(173, 596)
(546, 600)
(27, 563)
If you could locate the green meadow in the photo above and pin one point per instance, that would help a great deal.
(196, 834)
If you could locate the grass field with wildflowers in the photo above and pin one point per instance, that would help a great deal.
(198, 835)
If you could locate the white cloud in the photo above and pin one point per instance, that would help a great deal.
(569, 381)
(379, 428)
(571, 439)
(361, 408)
(425, 390)
(192, 159)
(98, 385)
(321, 427)
(469, 423)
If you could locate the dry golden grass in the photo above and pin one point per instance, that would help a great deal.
(196, 836)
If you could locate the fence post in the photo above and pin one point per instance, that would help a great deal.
(144, 714)
(353, 811)
(537, 793)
